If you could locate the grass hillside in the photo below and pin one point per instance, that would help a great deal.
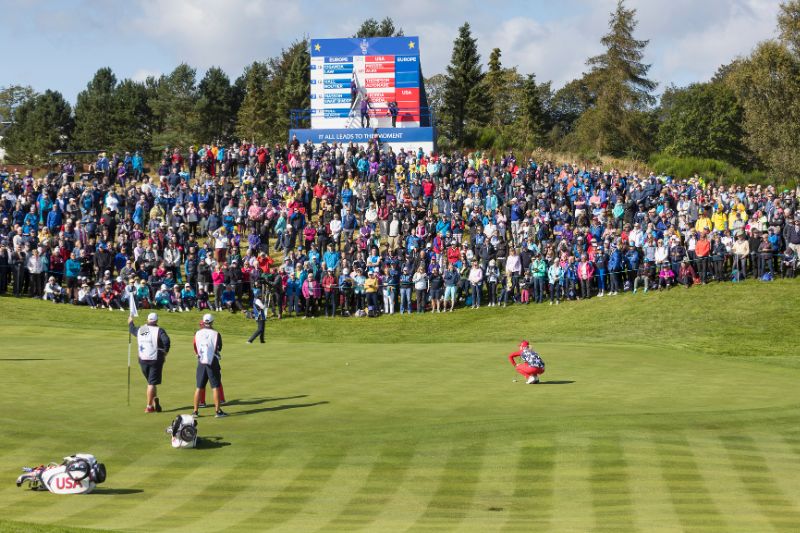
(658, 412)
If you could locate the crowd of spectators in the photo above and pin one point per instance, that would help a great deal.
(363, 230)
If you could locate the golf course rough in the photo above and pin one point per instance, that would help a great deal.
(673, 411)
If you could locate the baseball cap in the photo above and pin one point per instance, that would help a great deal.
(152, 317)
(208, 319)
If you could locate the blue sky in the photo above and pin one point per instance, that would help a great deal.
(60, 44)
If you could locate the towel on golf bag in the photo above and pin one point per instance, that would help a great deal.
(78, 474)
(183, 431)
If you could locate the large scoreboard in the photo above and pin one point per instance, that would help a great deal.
(379, 70)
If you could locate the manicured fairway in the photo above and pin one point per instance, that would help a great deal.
(658, 412)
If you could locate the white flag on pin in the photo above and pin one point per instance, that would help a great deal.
(132, 305)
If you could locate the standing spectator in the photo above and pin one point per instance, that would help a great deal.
(475, 281)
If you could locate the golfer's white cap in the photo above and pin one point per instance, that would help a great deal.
(152, 317)
(208, 319)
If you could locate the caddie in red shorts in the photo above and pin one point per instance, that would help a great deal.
(530, 366)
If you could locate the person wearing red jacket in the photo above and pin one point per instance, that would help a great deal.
(531, 365)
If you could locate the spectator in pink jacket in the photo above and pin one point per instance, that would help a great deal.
(585, 274)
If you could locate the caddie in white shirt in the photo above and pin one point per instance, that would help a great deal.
(207, 347)
(153, 344)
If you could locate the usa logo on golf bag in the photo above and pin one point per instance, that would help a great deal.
(78, 474)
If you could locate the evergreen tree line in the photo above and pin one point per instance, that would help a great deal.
(747, 115)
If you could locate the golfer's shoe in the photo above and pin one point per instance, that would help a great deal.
(158, 404)
(195, 414)
(149, 409)
(220, 414)
(532, 380)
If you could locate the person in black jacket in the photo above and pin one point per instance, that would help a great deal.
(4, 267)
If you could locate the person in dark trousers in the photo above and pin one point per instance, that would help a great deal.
(259, 315)
(154, 345)
(208, 348)
(393, 113)
(365, 112)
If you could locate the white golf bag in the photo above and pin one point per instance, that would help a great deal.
(183, 431)
(78, 474)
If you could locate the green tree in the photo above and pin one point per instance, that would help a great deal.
(499, 84)
(132, 125)
(94, 122)
(465, 99)
(372, 28)
(768, 86)
(789, 24)
(216, 107)
(11, 97)
(42, 124)
(434, 88)
(616, 123)
(531, 116)
(292, 70)
(173, 103)
(702, 120)
(257, 109)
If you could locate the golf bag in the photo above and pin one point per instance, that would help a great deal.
(78, 474)
(183, 431)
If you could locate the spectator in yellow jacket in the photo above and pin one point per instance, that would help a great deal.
(703, 224)
(719, 220)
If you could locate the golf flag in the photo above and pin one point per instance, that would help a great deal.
(132, 305)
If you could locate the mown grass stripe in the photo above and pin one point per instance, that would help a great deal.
(293, 497)
(385, 477)
(691, 499)
(448, 506)
(751, 467)
(252, 472)
(160, 481)
(213, 491)
(611, 496)
(531, 504)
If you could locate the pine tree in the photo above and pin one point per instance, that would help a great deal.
(132, 125)
(372, 28)
(292, 78)
(531, 114)
(174, 107)
(94, 123)
(466, 100)
(216, 115)
(497, 88)
(618, 79)
(11, 98)
(256, 110)
(42, 124)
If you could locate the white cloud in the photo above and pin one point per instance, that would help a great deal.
(143, 73)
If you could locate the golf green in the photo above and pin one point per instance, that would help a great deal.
(657, 412)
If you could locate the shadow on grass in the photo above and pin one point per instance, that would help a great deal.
(116, 492)
(211, 443)
(254, 401)
(556, 382)
(278, 408)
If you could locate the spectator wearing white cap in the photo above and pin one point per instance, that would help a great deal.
(153, 344)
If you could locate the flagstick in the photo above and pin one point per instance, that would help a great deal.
(129, 367)
(132, 313)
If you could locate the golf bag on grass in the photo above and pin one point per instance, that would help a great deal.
(78, 474)
(183, 431)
